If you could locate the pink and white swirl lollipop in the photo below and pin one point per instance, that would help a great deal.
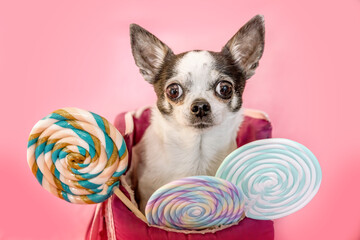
(195, 203)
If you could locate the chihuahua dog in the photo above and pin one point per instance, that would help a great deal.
(198, 112)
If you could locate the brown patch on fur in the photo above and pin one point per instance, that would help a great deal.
(225, 64)
(166, 72)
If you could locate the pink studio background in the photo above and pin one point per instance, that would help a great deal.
(77, 53)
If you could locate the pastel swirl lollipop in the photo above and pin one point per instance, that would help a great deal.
(277, 176)
(77, 155)
(195, 203)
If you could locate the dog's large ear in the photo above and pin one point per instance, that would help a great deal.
(148, 51)
(247, 45)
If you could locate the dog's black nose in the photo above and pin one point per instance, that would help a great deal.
(200, 108)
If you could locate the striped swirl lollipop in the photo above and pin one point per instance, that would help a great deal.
(195, 203)
(277, 176)
(77, 155)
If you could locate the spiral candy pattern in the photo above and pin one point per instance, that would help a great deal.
(195, 203)
(77, 155)
(277, 176)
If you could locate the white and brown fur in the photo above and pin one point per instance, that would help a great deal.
(192, 134)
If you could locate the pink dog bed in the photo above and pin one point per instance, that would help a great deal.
(113, 220)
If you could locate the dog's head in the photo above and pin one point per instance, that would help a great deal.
(199, 89)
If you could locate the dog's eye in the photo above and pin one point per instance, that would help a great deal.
(224, 89)
(174, 91)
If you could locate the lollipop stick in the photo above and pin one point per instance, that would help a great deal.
(129, 204)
